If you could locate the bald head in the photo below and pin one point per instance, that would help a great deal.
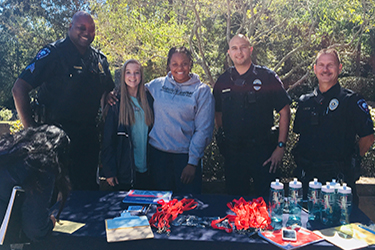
(82, 30)
(240, 52)
(81, 14)
(240, 37)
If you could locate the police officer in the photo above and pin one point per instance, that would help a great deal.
(72, 78)
(246, 96)
(329, 120)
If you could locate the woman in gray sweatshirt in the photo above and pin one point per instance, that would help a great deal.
(183, 125)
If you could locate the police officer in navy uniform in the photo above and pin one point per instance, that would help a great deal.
(72, 78)
(330, 121)
(245, 97)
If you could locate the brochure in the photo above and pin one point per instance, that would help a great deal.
(304, 237)
(350, 236)
(146, 196)
(128, 228)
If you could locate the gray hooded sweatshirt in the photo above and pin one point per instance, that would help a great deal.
(184, 116)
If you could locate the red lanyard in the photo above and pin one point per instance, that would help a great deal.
(252, 214)
(169, 211)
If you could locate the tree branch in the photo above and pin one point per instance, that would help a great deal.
(303, 45)
(201, 59)
(287, 75)
(299, 82)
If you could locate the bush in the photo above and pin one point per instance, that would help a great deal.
(15, 126)
(5, 114)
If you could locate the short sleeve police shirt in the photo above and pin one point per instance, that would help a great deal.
(328, 123)
(247, 101)
(71, 84)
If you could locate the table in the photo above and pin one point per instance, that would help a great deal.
(93, 207)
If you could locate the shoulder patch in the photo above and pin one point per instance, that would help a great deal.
(363, 106)
(31, 67)
(43, 53)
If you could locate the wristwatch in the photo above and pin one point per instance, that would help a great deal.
(281, 144)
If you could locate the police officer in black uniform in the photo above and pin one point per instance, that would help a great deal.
(329, 120)
(72, 78)
(245, 97)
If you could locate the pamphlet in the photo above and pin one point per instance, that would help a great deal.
(146, 196)
(304, 237)
(350, 236)
(65, 226)
(128, 228)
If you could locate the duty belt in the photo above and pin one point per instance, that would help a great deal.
(324, 165)
(250, 143)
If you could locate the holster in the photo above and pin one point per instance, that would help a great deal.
(38, 112)
(356, 166)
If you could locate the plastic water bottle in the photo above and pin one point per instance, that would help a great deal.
(345, 203)
(336, 209)
(328, 202)
(276, 204)
(295, 202)
(314, 199)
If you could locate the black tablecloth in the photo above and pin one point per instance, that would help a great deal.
(92, 208)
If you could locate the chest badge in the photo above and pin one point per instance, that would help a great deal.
(257, 84)
(333, 104)
(100, 67)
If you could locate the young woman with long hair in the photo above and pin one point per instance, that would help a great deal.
(125, 137)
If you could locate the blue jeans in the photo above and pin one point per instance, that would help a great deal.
(166, 169)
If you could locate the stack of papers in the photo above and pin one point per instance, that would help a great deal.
(146, 196)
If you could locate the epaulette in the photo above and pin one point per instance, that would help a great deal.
(98, 51)
(56, 43)
(348, 92)
(262, 67)
(306, 97)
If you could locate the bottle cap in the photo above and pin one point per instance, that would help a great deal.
(315, 184)
(328, 189)
(345, 189)
(295, 184)
(334, 184)
(277, 184)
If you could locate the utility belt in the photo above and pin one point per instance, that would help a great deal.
(226, 143)
(321, 165)
(350, 166)
(41, 115)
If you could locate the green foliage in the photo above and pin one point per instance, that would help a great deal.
(15, 126)
(5, 114)
(143, 30)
